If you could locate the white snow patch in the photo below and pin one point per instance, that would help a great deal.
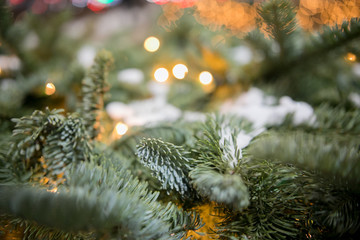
(190, 116)
(242, 55)
(131, 76)
(355, 99)
(119, 110)
(149, 111)
(159, 90)
(86, 56)
(261, 111)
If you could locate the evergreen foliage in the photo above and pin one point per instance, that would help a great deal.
(168, 162)
(93, 89)
(334, 157)
(169, 133)
(304, 66)
(49, 135)
(279, 17)
(96, 196)
(290, 182)
(217, 157)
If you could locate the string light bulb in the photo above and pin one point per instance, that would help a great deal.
(152, 44)
(179, 71)
(161, 74)
(351, 57)
(121, 128)
(50, 89)
(205, 77)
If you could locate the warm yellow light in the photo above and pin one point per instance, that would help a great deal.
(179, 71)
(151, 44)
(121, 128)
(161, 75)
(54, 190)
(50, 89)
(205, 77)
(351, 57)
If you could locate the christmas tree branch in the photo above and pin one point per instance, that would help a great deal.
(221, 188)
(168, 163)
(56, 139)
(329, 155)
(280, 22)
(93, 89)
(217, 156)
(330, 40)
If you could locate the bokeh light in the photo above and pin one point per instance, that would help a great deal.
(160, 2)
(161, 74)
(121, 128)
(105, 1)
(351, 57)
(16, 2)
(151, 44)
(205, 77)
(50, 89)
(179, 71)
(39, 7)
(96, 6)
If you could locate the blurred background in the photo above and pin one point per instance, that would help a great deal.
(171, 56)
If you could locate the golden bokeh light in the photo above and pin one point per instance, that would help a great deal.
(351, 57)
(205, 77)
(161, 74)
(121, 128)
(50, 89)
(152, 44)
(179, 71)
(54, 190)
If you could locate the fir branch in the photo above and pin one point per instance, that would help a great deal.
(33, 231)
(329, 155)
(338, 119)
(217, 145)
(67, 144)
(93, 90)
(221, 188)
(84, 210)
(168, 163)
(217, 156)
(280, 22)
(323, 44)
(59, 140)
(288, 203)
(277, 208)
(29, 135)
(112, 175)
(169, 133)
(339, 211)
